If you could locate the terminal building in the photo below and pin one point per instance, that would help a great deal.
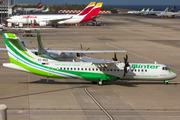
(6, 9)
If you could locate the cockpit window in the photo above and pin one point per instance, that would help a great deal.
(165, 68)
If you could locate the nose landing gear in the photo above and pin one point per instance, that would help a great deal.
(166, 82)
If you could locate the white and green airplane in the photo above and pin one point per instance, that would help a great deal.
(99, 71)
(135, 12)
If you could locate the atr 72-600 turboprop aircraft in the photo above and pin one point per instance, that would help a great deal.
(89, 13)
(100, 71)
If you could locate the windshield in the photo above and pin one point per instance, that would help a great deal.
(165, 68)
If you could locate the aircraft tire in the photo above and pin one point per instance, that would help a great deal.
(99, 82)
(56, 26)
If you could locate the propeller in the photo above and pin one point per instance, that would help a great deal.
(126, 65)
(81, 54)
(114, 58)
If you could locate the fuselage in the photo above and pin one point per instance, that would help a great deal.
(91, 72)
(45, 18)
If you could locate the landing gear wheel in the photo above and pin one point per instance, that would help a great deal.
(52, 25)
(99, 82)
(166, 83)
(94, 82)
(56, 26)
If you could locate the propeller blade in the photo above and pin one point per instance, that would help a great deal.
(81, 46)
(88, 49)
(115, 57)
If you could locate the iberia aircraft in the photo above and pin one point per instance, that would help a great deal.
(96, 71)
(89, 13)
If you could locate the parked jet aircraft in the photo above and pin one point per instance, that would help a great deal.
(135, 12)
(95, 71)
(168, 14)
(89, 13)
(147, 12)
(157, 12)
(39, 8)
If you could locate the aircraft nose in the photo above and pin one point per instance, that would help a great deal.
(174, 75)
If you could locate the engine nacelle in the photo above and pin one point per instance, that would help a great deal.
(43, 23)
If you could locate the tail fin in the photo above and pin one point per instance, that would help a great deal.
(143, 9)
(41, 49)
(173, 9)
(152, 9)
(166, 9)
(47, 9)
(88, 8)
(147, 9)
(39, 7)
(17, 52)
(93, 13)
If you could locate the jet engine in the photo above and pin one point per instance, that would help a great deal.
(43, 23)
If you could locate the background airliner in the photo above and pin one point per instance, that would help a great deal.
(89, 13)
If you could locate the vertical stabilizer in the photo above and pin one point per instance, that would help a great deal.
(41, 49)
(88, 8)
(143, 9)
(93, 13)
(166, 9)
(147, 10)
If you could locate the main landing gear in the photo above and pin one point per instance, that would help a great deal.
(54, 25)
(101, 82)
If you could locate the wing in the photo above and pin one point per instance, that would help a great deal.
(101, 63)
(3, 49)
(80, 51)
(62, 19)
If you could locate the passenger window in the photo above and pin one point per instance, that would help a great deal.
(111, 69)
(145, 70)
(93, 69)
(67, 68)
(142, 70)
(71, 69)
(118, 70)
(89, 69)
(107, 69)
(96, 69)
(135, 70)
(61, 68)
(64, 68)
(81, 68)
(114, 69)
(74, 68)
(138, 70)
(103, 69)
(78, 68)
(85, 68)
